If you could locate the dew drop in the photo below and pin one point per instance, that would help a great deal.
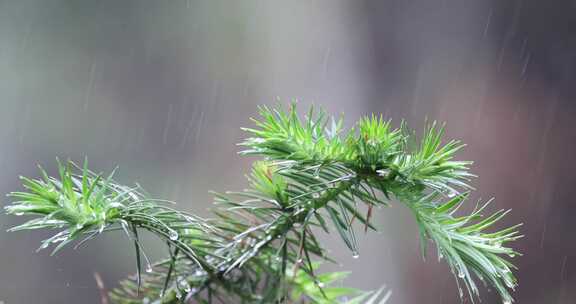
(173, 235)
(383, 172)
(355, 254)
(116, 205)
(185, 285)
(317, 174)
(149, 268)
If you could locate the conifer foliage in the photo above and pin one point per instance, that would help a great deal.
(261, 245)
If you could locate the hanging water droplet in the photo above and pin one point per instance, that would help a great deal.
(347, 177)
(178, 294)
(116, 205)
(149, 268)
(173, 235)
(383, 172)
(321, 284)
(185, 285)
(355, 254)
(317, 173)
(461, 274)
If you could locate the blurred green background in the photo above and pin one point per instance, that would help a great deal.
(162, 87)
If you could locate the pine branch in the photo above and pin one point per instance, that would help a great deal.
(261, 247)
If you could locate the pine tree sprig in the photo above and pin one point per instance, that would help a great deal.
(262, 245)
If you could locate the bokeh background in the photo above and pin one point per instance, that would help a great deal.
(162, 87)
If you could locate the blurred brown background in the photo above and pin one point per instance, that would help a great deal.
(162, 87)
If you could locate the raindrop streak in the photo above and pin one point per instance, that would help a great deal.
(199, 127)
(187, 132)
(90, 86)
(487, 26)
(24, 123)
(167, 126)
(563, 269)
(523, 48)
(543, 235)
(26, 36)
(325, 61)
(525, 66)
(246, 89)
(417, 91)
(215, 95)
